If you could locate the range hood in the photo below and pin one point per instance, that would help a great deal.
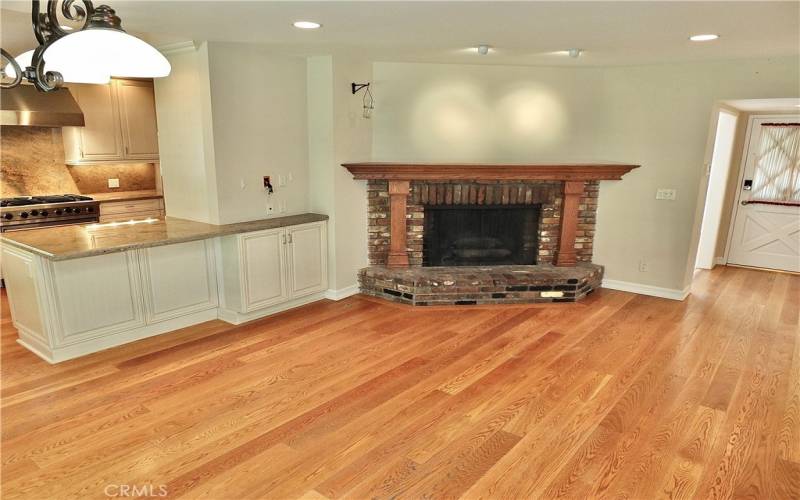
(25, 106)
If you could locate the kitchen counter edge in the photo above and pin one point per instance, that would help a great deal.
(211, 231)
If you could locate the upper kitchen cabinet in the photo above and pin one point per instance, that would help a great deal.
(120, 123)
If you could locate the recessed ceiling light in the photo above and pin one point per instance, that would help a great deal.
(306, 25)
(703, 38)
(483, 49)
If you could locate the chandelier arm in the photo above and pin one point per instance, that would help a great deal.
(45, 81)
(17, 70)
(71, 11)
(39, 22)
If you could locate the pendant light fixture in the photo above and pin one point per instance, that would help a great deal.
(94, 53)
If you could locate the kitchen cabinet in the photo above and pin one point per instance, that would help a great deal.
(69, 307)
(111, 211)
(120, 123)
(178, 279)
(272, 269)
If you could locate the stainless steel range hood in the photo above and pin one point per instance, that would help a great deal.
(25, 106)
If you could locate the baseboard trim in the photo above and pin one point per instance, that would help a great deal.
(654, 291)
(237, 318)
(341, 293)
(720, 261)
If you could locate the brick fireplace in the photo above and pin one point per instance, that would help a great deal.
(472, 234)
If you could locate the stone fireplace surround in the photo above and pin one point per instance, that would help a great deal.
(398, 194)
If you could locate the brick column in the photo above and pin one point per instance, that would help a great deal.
(398, 250)
(565, 256)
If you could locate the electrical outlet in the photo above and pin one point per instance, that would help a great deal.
(113, 183)
(666, 194)
(281, 180)
(282, 206)
(642, 266)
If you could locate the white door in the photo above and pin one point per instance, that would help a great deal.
(138, 117)
(264, 262)
(308, 252)
(766, 227)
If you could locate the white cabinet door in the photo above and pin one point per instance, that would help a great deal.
(100, 139)
(178, 279)
(264, 262)
(96, 296)
(308, 259)
(138, 119)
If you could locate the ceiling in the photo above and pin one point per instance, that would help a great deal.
(522, 33)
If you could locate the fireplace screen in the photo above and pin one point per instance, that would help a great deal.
(480, 235)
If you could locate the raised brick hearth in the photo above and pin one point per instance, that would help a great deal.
(429, 286)
(563, 197)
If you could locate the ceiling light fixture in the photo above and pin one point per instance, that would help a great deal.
(306, 25)
(703, 38)
(93, 53)
(483, 49)
(574, 53)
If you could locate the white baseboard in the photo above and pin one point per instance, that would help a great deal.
(237, 318)
(90, 346)
(719, 261)
(341, 293)
(655, 291)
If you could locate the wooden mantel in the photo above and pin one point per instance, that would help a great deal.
(474, 171)
(574, 175)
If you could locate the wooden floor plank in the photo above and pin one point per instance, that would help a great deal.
(619, 395)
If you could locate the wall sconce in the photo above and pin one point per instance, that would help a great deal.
(368, 100)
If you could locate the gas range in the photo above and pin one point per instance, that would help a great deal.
(29, 212)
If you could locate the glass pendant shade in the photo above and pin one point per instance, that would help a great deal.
(111, 51)
(79, 72)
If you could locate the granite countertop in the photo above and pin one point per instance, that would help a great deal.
(84, 240)
(126, 195)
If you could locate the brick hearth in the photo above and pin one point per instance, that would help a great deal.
(428, 286)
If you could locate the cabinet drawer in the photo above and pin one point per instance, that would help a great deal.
(128, 207)
(132, 216)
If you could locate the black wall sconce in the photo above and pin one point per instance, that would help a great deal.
(368, 100)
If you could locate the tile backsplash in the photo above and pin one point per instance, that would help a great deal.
(32, 162)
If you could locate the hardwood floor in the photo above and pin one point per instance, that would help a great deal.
(622, 396)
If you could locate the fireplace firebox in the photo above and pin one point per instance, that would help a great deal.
(480, 235)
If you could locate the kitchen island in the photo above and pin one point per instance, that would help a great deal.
(74, 290)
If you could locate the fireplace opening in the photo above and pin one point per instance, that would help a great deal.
(480, 235)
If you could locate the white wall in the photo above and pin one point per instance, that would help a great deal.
(339, 133)
(260, 128)
(185, 145)
(657, 116)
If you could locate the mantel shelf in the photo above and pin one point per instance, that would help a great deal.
(473, 171)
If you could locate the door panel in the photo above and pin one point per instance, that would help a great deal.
(138, 111)
(179, 279)
(308, 251)
(100, 138)
(766, 227)
(264, 261)
(97, 295)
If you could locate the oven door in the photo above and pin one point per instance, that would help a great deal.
(55, 223)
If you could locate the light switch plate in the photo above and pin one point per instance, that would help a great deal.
(113, 183)
(666, 194)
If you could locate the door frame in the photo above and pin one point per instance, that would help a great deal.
(742, 167)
